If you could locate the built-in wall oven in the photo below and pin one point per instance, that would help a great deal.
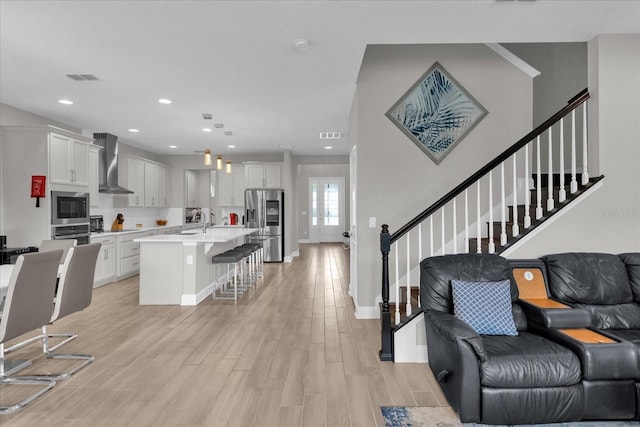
(70, 216)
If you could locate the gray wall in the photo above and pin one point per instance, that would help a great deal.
(396, 181)
(563, 73)
(609, 220)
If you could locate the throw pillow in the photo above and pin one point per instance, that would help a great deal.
(485, 306)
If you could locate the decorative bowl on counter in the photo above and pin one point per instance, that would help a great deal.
(161, 221)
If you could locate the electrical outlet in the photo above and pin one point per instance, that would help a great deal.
(189, 259)
(372, 222)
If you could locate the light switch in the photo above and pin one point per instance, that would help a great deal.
(189, 259)
(372, 222)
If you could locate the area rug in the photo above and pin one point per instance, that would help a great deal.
(443, 416)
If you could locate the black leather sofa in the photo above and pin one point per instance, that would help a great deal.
(604, 288)
(495, 379)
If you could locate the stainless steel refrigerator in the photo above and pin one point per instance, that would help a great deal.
(264, 210)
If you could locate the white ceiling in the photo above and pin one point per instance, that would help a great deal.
(236, 60)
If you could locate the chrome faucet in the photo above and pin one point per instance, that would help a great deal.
(201, 217)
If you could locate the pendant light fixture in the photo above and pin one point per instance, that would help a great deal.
(227, 168)
(207, 157)
(219, 162)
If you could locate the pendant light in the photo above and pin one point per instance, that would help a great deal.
(207, 157)
(219, 162)
(227, 168)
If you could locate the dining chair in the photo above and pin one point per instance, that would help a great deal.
(28, 305)
(64, 244)
(75, 290)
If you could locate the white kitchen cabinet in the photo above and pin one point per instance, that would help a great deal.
(68, 161)
(135, 181)
(163, 187)
(129, 253)
(231, 187)
(93, 177)
(106, 262)
(191, 190)
(263, 176)
(151, 185)
(147, 180)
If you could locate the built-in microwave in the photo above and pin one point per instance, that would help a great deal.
(68, 207)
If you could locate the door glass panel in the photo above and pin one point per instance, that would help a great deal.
(331, 205)
(314, 204)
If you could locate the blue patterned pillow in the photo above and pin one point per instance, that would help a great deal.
(485, 306)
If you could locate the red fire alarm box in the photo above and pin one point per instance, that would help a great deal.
(38, 188)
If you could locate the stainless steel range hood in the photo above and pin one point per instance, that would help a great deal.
(108, 164)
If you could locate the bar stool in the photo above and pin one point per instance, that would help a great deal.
(228, 258)
(246, 253)
(259, 241)
(254, 260)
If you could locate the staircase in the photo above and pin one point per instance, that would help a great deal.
(490, 212)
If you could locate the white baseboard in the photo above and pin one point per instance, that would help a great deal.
(304, 241)
(195, 299)
(367, 312)
(294, 254)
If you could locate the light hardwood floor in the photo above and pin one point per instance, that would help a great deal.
(289, 353)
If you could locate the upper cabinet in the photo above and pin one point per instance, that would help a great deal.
(93, 177)
(148, 181)
(191, 189)
(231, 187)
(263, 176)
(68, 160)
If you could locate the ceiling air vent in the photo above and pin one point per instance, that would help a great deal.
(82, 77)
(330, 135)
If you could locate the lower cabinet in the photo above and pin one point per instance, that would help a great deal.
(106, 262)
(129, 253)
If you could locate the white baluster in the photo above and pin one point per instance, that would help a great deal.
(527, 190)
(419, 253)
(408, 303)
(573, 187)
(397, 286)
(431, 235)
(503, 209)
(550, 204)
(585, 154)
(444, 245)
(562, 194)
(515, 228)
(478, 220)
(466, 221)
(455, 225)
(538, 181)
(492, 244)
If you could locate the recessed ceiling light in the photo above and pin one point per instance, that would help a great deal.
(173, 146)
(231, 146)
(301, 44)
(134, 130)
(328, 147)
(164, 101)
(206, 129)
(65, 101)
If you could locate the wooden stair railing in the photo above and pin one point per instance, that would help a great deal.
(487, 213)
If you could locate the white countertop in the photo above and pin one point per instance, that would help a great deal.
(213, 235)
(108, 232)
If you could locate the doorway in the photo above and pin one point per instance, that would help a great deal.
(326, 207)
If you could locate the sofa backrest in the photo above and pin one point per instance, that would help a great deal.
(632, 262)
(597, 282)
(437, 272)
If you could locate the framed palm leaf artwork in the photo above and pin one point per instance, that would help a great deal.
(436, 113)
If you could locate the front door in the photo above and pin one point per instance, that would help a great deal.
(326, 205)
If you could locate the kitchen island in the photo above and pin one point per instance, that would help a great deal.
(176, 269)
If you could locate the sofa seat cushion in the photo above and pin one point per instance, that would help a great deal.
(527, 360)
(614, 316)
(632, 335)
(588, 278)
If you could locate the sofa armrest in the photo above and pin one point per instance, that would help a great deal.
(454, 329)
(554, 315)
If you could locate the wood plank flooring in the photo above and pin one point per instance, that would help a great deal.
(289, 353)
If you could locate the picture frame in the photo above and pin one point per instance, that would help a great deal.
(436, 113)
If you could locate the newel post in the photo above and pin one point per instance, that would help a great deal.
(386, 354)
